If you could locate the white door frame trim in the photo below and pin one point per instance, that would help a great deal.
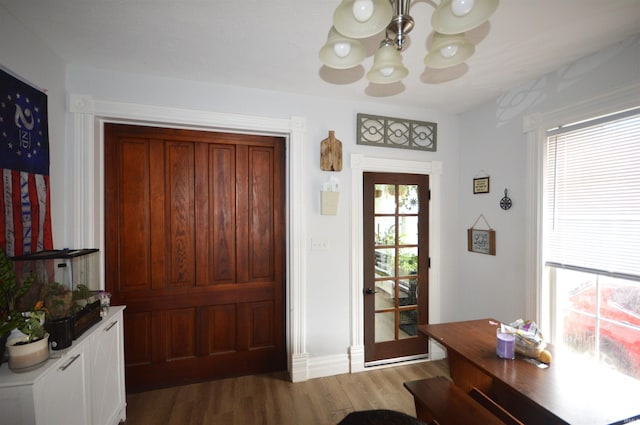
(88, 116)
(359, 165)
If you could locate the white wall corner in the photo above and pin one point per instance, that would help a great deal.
(328, 365)
(356, 358)
(298, 367)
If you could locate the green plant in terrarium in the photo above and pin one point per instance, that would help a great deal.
(58, 301)
(82, 292)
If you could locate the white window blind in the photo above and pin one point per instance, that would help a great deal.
(592, 196)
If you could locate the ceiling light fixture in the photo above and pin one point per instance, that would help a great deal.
(357, 19)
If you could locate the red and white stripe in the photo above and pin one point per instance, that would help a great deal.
(25, 213)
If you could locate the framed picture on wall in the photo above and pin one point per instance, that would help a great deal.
(480, 185)
(481, 241)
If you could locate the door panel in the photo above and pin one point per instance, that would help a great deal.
(396, 258)
(195, 249)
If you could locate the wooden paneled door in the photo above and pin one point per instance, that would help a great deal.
(195, 247)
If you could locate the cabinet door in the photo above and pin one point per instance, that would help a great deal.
(107, 377)
(61, 394)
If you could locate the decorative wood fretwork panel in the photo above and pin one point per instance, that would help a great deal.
(375, 130)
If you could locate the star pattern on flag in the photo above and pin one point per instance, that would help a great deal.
(23, 132)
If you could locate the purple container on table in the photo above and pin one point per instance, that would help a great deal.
(505, 344)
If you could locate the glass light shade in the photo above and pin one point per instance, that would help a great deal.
(340, 52)
(346, 23)
(446, 52)
(362, 10)
(461, 7)
(387, 66)
(456, 44)
(445, 21)
(386, 71)
(342, 49)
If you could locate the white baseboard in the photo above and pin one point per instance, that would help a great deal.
(303, 368)
(328, 365)
(298, 367)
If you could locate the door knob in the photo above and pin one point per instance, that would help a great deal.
(369, 291)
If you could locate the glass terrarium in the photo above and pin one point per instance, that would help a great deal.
(70, 268)
(67, 281)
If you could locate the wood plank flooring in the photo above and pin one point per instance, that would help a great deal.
(271, 399)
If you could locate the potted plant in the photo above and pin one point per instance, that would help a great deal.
(30, 347)
(22, 354)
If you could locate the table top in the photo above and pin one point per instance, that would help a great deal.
(571, 388)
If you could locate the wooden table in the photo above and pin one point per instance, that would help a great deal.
(569, 391)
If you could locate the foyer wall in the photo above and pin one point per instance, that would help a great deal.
(328, 273)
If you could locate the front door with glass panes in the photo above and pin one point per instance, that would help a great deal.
(396, 264)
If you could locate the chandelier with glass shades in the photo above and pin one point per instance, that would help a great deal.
(354, 20)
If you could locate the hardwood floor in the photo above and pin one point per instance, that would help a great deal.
(271, 399)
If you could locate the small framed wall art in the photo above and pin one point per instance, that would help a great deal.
(481, 241)
(481, 185)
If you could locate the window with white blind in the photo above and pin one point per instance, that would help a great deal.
(591, 237)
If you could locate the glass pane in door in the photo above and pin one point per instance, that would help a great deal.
(385, 294)
(385, 228)
(385, 262)
(407, 261)
(408, 199)
(408, 324)
(407, 292)
(385, 326)
(408, 230)
(385, 199)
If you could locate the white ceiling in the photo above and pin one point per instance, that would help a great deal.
(274, 44)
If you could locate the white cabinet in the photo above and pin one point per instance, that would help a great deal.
(61, 395)
(84, 385)
(107, 374)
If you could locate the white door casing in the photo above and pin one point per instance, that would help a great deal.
(359, 165)
(87, 191)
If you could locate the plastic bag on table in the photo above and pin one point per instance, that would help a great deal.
(529, 340)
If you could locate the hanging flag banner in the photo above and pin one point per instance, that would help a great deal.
(25, 217)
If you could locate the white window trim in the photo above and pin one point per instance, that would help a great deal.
(359, 165)
(535, 127)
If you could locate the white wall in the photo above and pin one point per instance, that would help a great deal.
(492, 140)
(23, 54)
(328, 272)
